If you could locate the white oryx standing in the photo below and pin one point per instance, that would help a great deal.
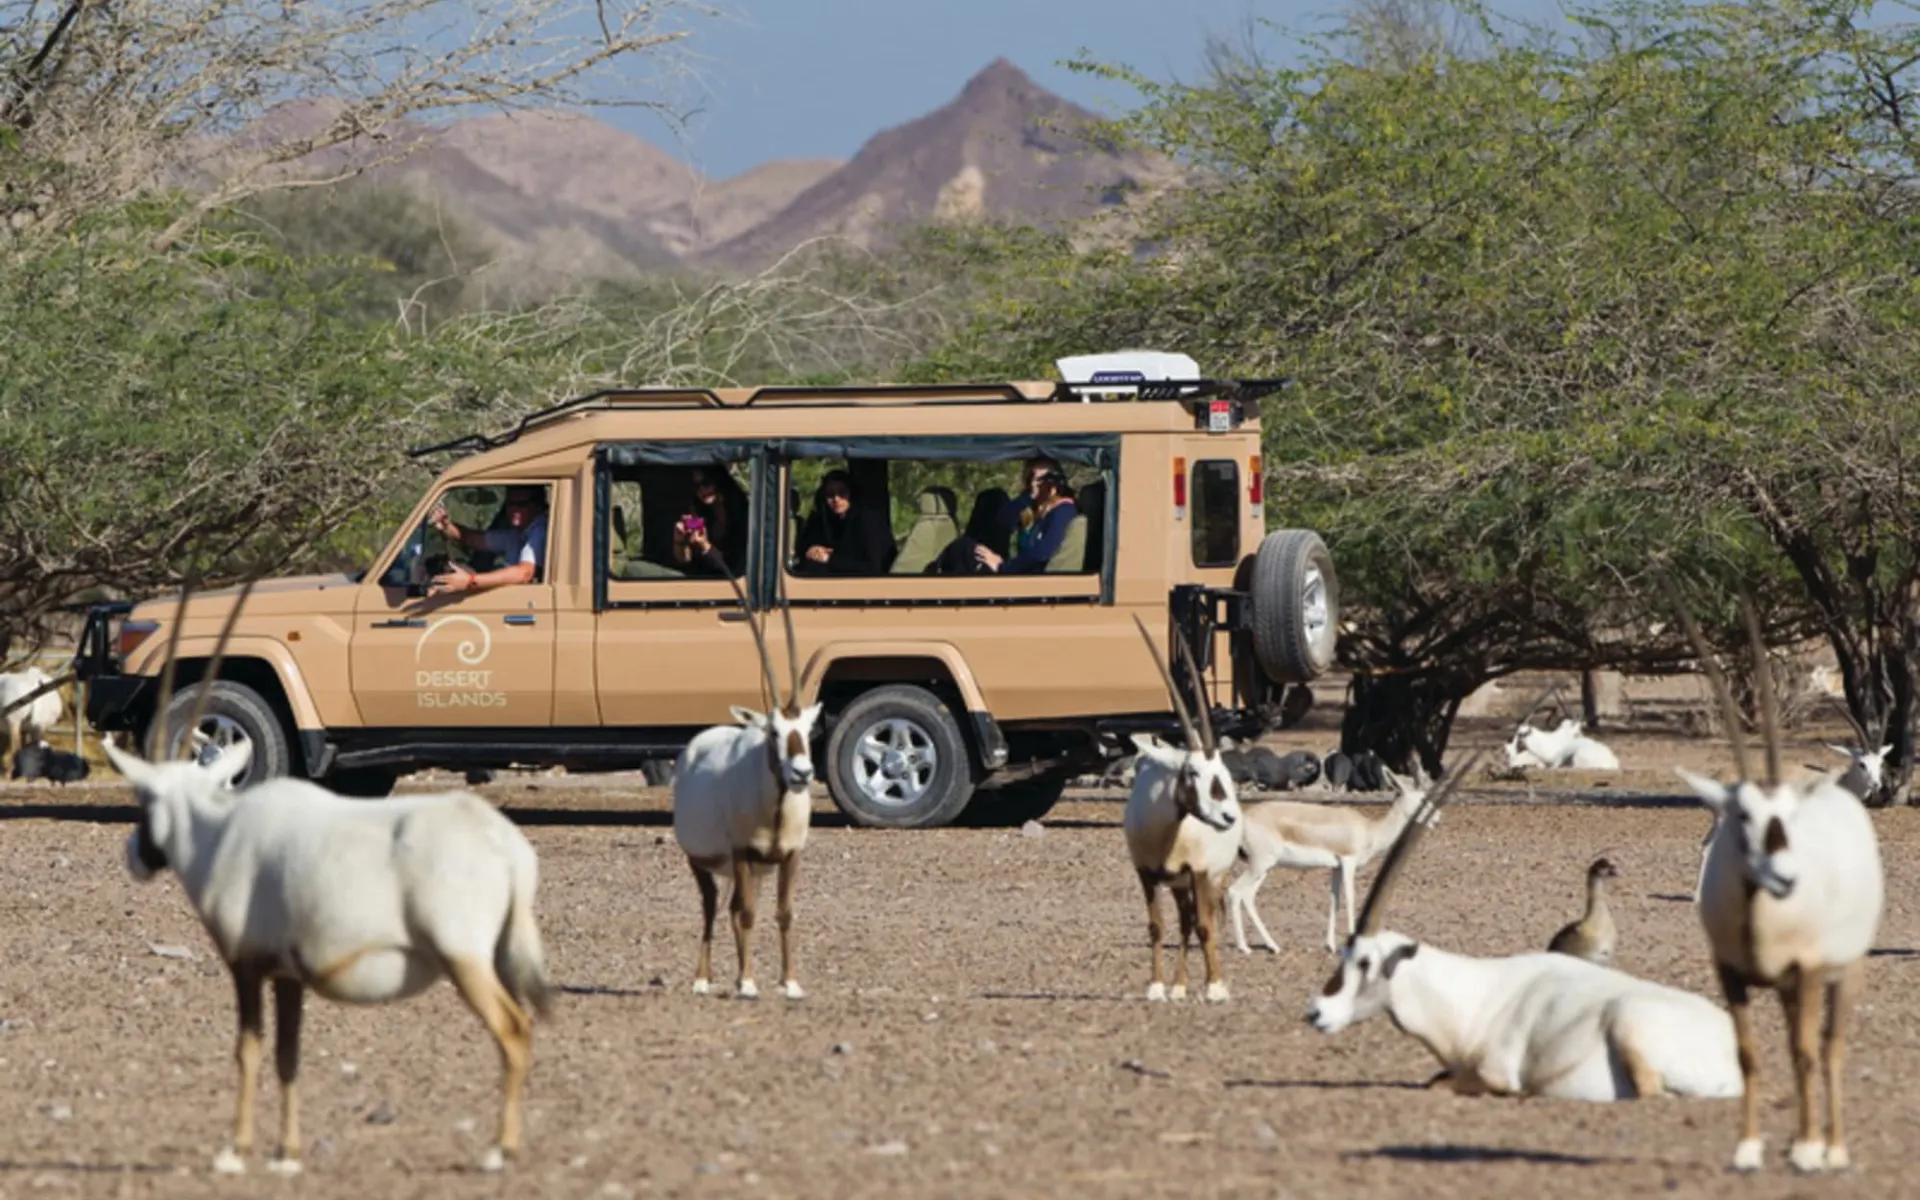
(1790, 897)
(1540, 1024)
(1181, 824)
(362, 901)
(743, 803)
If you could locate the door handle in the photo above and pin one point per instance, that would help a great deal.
(519, 618)
(401, 623)
(732, 614)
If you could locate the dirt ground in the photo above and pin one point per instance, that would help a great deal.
(974, 1023)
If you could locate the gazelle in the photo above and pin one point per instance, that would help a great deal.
(742, 803)
(1540, 1024)
(1289, 833)
(362, 901)
(1182, 831)
(1790, 897)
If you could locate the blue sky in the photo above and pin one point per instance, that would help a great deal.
(793, 79)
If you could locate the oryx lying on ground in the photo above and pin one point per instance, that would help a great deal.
(363, 901)
(742, 803)
(1790, 896)
(1539, 1024)
(1182, 827)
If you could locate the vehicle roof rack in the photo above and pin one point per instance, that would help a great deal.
(1107, 385)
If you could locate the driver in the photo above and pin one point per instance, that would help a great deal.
(522, 543)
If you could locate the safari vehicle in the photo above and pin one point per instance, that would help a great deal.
(941, 690)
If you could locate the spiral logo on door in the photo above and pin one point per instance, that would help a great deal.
(470, 652)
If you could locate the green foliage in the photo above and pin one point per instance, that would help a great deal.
(1545, 305)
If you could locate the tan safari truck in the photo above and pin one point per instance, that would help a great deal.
(949, 688)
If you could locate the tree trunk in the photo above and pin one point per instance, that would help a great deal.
(1589, 701)
(1400, 717)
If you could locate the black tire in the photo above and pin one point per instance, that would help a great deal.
(1014, 804)
(233, 710)
(916, 725)
(1294, 638)
(366, 783)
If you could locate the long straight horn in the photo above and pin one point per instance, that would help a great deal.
(759, 639)
(165, 699)
(219, 654)
(1204, 713)
(1166, 676)
(1369, 922)
(1846, 715)
(1549, 692)
(1763, 680)
(793, 650)
(1729, 711)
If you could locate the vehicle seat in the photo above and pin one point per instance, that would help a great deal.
(617, 543)
(933, 527)
(1072, 555)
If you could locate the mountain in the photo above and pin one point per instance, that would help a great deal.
(564, 197)
(1004, 147)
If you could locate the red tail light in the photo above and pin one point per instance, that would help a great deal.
(1257, 486)
(1179, 489)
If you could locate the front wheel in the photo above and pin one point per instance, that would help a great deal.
(897, 760)
(234, 713)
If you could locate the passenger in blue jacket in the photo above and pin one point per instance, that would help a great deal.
(1042, 527)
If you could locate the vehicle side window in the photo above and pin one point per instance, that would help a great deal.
(1216, 512)
(870, 517)
(663, 519)
(485, 532)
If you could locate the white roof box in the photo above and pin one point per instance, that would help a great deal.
(1118, 372)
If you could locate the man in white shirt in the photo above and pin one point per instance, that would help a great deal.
(523, 543)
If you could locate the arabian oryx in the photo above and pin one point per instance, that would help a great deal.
(1790, 897)
(743, 802)
(1182, 827)
(1539, 1024)
(362, 901)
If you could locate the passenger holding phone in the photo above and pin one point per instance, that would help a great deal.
(716, 519)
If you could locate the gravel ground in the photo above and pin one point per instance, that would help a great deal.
(973, 1025)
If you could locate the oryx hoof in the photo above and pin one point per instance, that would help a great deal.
(1157, 992)
(791, 989)
(748, 990)
(1808, 1157)
(1748, 1155)
(227, 1162)
(1216, 992)
(701, 987)
(283, 1166)
(494, 1159)
(1838, 1159)
(1177, 992)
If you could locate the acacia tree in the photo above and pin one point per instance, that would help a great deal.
(1539, 301)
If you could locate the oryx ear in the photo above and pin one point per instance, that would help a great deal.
(810, 715)
(132, 767)
(230, 763)
(1398, 782)
(1886, 749)
(1842, 751)
(1712, 792)
(748, 717)
(1396, 956)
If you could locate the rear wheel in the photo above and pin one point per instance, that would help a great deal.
(897, 760)
(1296, 604)
(234, 713)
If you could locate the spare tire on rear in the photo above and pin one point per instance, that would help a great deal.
(1296, 606)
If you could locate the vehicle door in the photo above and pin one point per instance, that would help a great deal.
(671, 644)
(480, 658)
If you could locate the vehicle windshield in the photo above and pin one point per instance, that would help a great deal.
(428, 552)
